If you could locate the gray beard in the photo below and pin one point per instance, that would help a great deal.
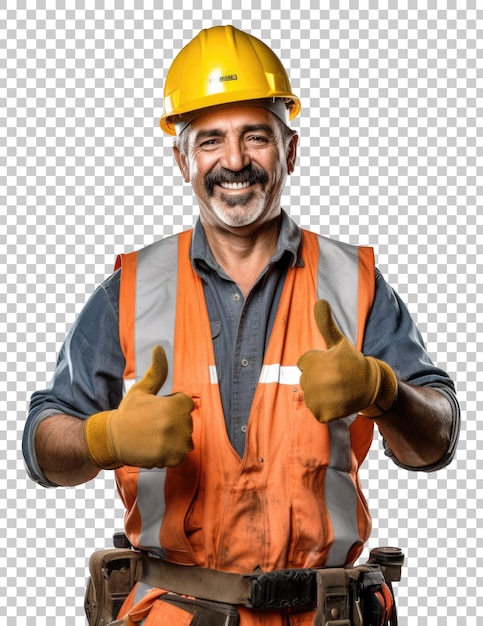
(239, 216)
(241, 200)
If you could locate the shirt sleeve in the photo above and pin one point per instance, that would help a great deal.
(89, 373)
(392, 336)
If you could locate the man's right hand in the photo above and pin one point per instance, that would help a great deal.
(145, 430)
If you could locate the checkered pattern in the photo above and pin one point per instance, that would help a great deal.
(390, 140)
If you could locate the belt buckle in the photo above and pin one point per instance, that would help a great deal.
(283, 589)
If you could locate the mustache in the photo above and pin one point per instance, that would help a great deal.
(248, 174)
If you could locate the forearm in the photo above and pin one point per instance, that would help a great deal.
(61, 451)
(418, 428)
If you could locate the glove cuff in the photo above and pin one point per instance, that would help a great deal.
(97, 442)
(386, 394)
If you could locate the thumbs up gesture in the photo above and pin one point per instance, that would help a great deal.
(341, 381)
(145, 430)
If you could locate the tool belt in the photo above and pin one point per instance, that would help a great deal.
(349, 596)
(352, 596)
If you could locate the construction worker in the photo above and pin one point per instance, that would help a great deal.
(232, 375)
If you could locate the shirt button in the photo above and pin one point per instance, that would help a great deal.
(244, 428)
(236, 297)
(244, 362)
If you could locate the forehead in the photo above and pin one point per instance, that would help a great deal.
(235, 118)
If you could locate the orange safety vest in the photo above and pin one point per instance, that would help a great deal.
(294, 499)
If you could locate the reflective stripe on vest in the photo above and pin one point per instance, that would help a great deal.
(295, 497)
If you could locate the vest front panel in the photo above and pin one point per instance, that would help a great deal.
(294, 499)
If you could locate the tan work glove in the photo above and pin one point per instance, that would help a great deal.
(341, 381)
(145, 430)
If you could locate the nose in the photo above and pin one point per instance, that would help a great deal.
(235, 155)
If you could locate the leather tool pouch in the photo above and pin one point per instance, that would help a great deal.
(205, 613)
(113, 574)
(356, 596)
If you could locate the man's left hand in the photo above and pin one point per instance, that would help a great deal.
(341, 381)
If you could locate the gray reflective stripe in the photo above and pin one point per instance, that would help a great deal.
(276, 373)
(340, 493)
(156, 286)
(338, 283)
(151, 506)
(141, 590)
(282, 374)
(213, 375)
(128, 383)
(341, 497)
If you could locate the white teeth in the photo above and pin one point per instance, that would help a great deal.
(235, 185)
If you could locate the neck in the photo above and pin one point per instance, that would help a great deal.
(244, 253)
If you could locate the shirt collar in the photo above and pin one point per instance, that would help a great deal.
(288, 242)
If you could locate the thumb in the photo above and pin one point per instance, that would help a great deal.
(326, 324)
(156, 374)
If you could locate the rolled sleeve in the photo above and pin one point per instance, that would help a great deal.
(392, 336)
(89, 371)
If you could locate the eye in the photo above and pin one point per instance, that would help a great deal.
(209, 144)
(261, 139)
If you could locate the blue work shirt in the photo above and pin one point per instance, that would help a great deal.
(90, 366)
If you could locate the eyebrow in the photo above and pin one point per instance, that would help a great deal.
(247, 128)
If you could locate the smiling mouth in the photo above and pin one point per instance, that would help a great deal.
(243, 185)
(235, 181)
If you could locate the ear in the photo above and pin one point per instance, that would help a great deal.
(182, 162)
(292, 153)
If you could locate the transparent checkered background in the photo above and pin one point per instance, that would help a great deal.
(391, 156)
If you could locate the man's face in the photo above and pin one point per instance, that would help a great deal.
(237, 163)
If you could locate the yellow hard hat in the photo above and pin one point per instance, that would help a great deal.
(223, 65)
